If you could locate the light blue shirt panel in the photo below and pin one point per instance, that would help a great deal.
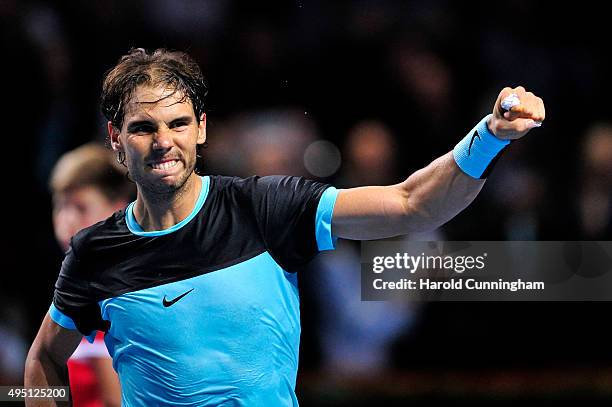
(234, 339)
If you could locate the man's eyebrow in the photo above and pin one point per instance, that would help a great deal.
(182, 119)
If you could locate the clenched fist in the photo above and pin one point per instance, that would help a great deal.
(516, 112)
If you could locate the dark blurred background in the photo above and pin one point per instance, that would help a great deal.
(351, 93)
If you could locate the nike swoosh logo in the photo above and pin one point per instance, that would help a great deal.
(169, 303)
(472, 140)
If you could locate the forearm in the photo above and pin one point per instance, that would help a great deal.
(427, 199)
(46, 362)
(436, 194)
(41, 371)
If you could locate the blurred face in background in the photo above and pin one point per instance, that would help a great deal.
(79, 208)
(597, 154)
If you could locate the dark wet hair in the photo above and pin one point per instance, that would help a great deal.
(173, 69)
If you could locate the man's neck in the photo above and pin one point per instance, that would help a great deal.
(156, 212)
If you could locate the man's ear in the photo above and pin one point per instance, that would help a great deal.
(113, 134)
(202, 129)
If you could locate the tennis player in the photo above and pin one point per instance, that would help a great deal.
(193, 283)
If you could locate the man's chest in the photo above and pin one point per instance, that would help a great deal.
(253, 299)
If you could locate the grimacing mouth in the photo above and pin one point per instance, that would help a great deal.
(163, 164)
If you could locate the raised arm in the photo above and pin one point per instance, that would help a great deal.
(46, 362)
(435, 194)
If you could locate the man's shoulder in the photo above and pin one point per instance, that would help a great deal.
(231, 186)
(112, 227)
(254, 182)
(222, 182)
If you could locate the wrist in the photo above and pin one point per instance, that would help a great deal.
(477, 153)
(492, 126)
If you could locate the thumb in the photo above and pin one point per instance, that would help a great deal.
(508, 101)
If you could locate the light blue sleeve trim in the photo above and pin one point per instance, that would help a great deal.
(323, 220)
(60, 318)
(474, 152)
(65, 321)
(136, 229)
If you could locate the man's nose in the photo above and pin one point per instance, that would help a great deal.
(162, 139)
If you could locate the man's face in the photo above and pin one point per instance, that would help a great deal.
(159, 137)
(79, 208)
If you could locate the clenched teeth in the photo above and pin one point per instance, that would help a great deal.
(165, 165)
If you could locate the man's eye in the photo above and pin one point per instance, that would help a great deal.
(178, 125)
(142, 129)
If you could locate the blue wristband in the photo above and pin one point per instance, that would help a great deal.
(478, 152)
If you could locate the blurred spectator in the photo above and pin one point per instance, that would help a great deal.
(594, 195)
(425, 75)
(88, 185)
(370, 156)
